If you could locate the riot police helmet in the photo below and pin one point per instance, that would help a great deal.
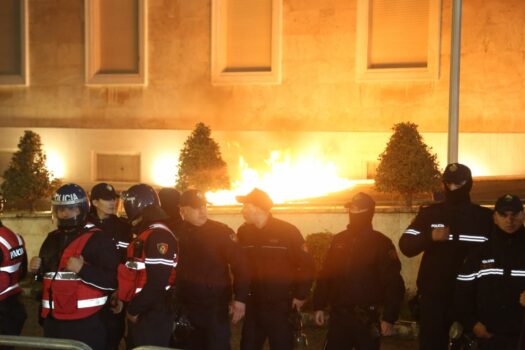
(137, 198)
(73, 199)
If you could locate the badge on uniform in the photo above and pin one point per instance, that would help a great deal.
(162, 248)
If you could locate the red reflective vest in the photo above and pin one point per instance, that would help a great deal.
(65, 293)
(14, 253)
(132, 275)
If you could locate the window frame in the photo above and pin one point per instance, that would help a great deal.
(21, 79)
(430, 72)
(90, 27)
(95, 166)
(219, 75)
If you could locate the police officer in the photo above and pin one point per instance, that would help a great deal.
(444, 232)
(493, 277)
(13, 267)
(360, 273)
(146, 278)
(281, 273)
(169, 202)
(78, 265)
(208, 251)
(104, 201)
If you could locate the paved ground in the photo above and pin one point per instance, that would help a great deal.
(315, 334)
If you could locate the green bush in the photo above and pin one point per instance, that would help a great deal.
(318, 244)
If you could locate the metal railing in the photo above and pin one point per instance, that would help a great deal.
(54, 343)
(42, 343)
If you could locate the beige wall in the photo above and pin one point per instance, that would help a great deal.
(318, 91)
(35, 227)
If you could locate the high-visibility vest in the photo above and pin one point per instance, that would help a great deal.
(14, 254)
(132, 275)
(64, 293)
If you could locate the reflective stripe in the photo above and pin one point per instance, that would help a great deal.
(62, 275)
(96, 286)
(437, 225)
(81, 304)
(470, 277)
(470, 238)
(135, 265)
(122, 244)
(517, 273)
(11, 268)
(161, 226)
(5, 243)
(137, 290)
(89, 225)
(486, 272)
(160, 262)
(411, 231)
(20, 240)
(8, 289)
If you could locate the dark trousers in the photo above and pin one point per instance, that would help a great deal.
(116, 327)
(265, 320)
(346, 330)
(153, 327)
(12, 317)
(91, 330)
(211, 327)
(500, 342)
(435, 321)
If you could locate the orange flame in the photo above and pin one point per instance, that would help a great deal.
(286, 180)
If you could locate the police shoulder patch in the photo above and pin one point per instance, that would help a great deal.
(162, 248)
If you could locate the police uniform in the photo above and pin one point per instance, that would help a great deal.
(207, 253)
(144, 282)
(280, 270)
(119, 231)
(469, 226)
(13, 267)
(360, 275)
(491, 280)
(72, 303)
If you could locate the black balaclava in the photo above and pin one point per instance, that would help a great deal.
(360, 211)
(457, 173)
(361, 222)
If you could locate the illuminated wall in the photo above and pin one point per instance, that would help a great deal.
(318, 89)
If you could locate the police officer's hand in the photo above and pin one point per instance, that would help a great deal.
(116, 304)
(35, 264)
(132, 318)
(387, 328)
(480, 331)
(522, 298)
(440, 234)
(298, 303)
(75, 263)
(319, 317)
(237, 310)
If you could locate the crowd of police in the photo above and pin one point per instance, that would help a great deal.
(169, 276)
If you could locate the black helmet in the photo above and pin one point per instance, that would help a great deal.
(138, 197)
(74, 196)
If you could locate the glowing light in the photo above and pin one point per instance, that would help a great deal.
(287, 179)
(164, 170)
(55, 164)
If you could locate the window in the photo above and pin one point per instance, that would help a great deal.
(398, 39)
(13, 42)
(246, 41)
(115, 42)
(117, 167)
